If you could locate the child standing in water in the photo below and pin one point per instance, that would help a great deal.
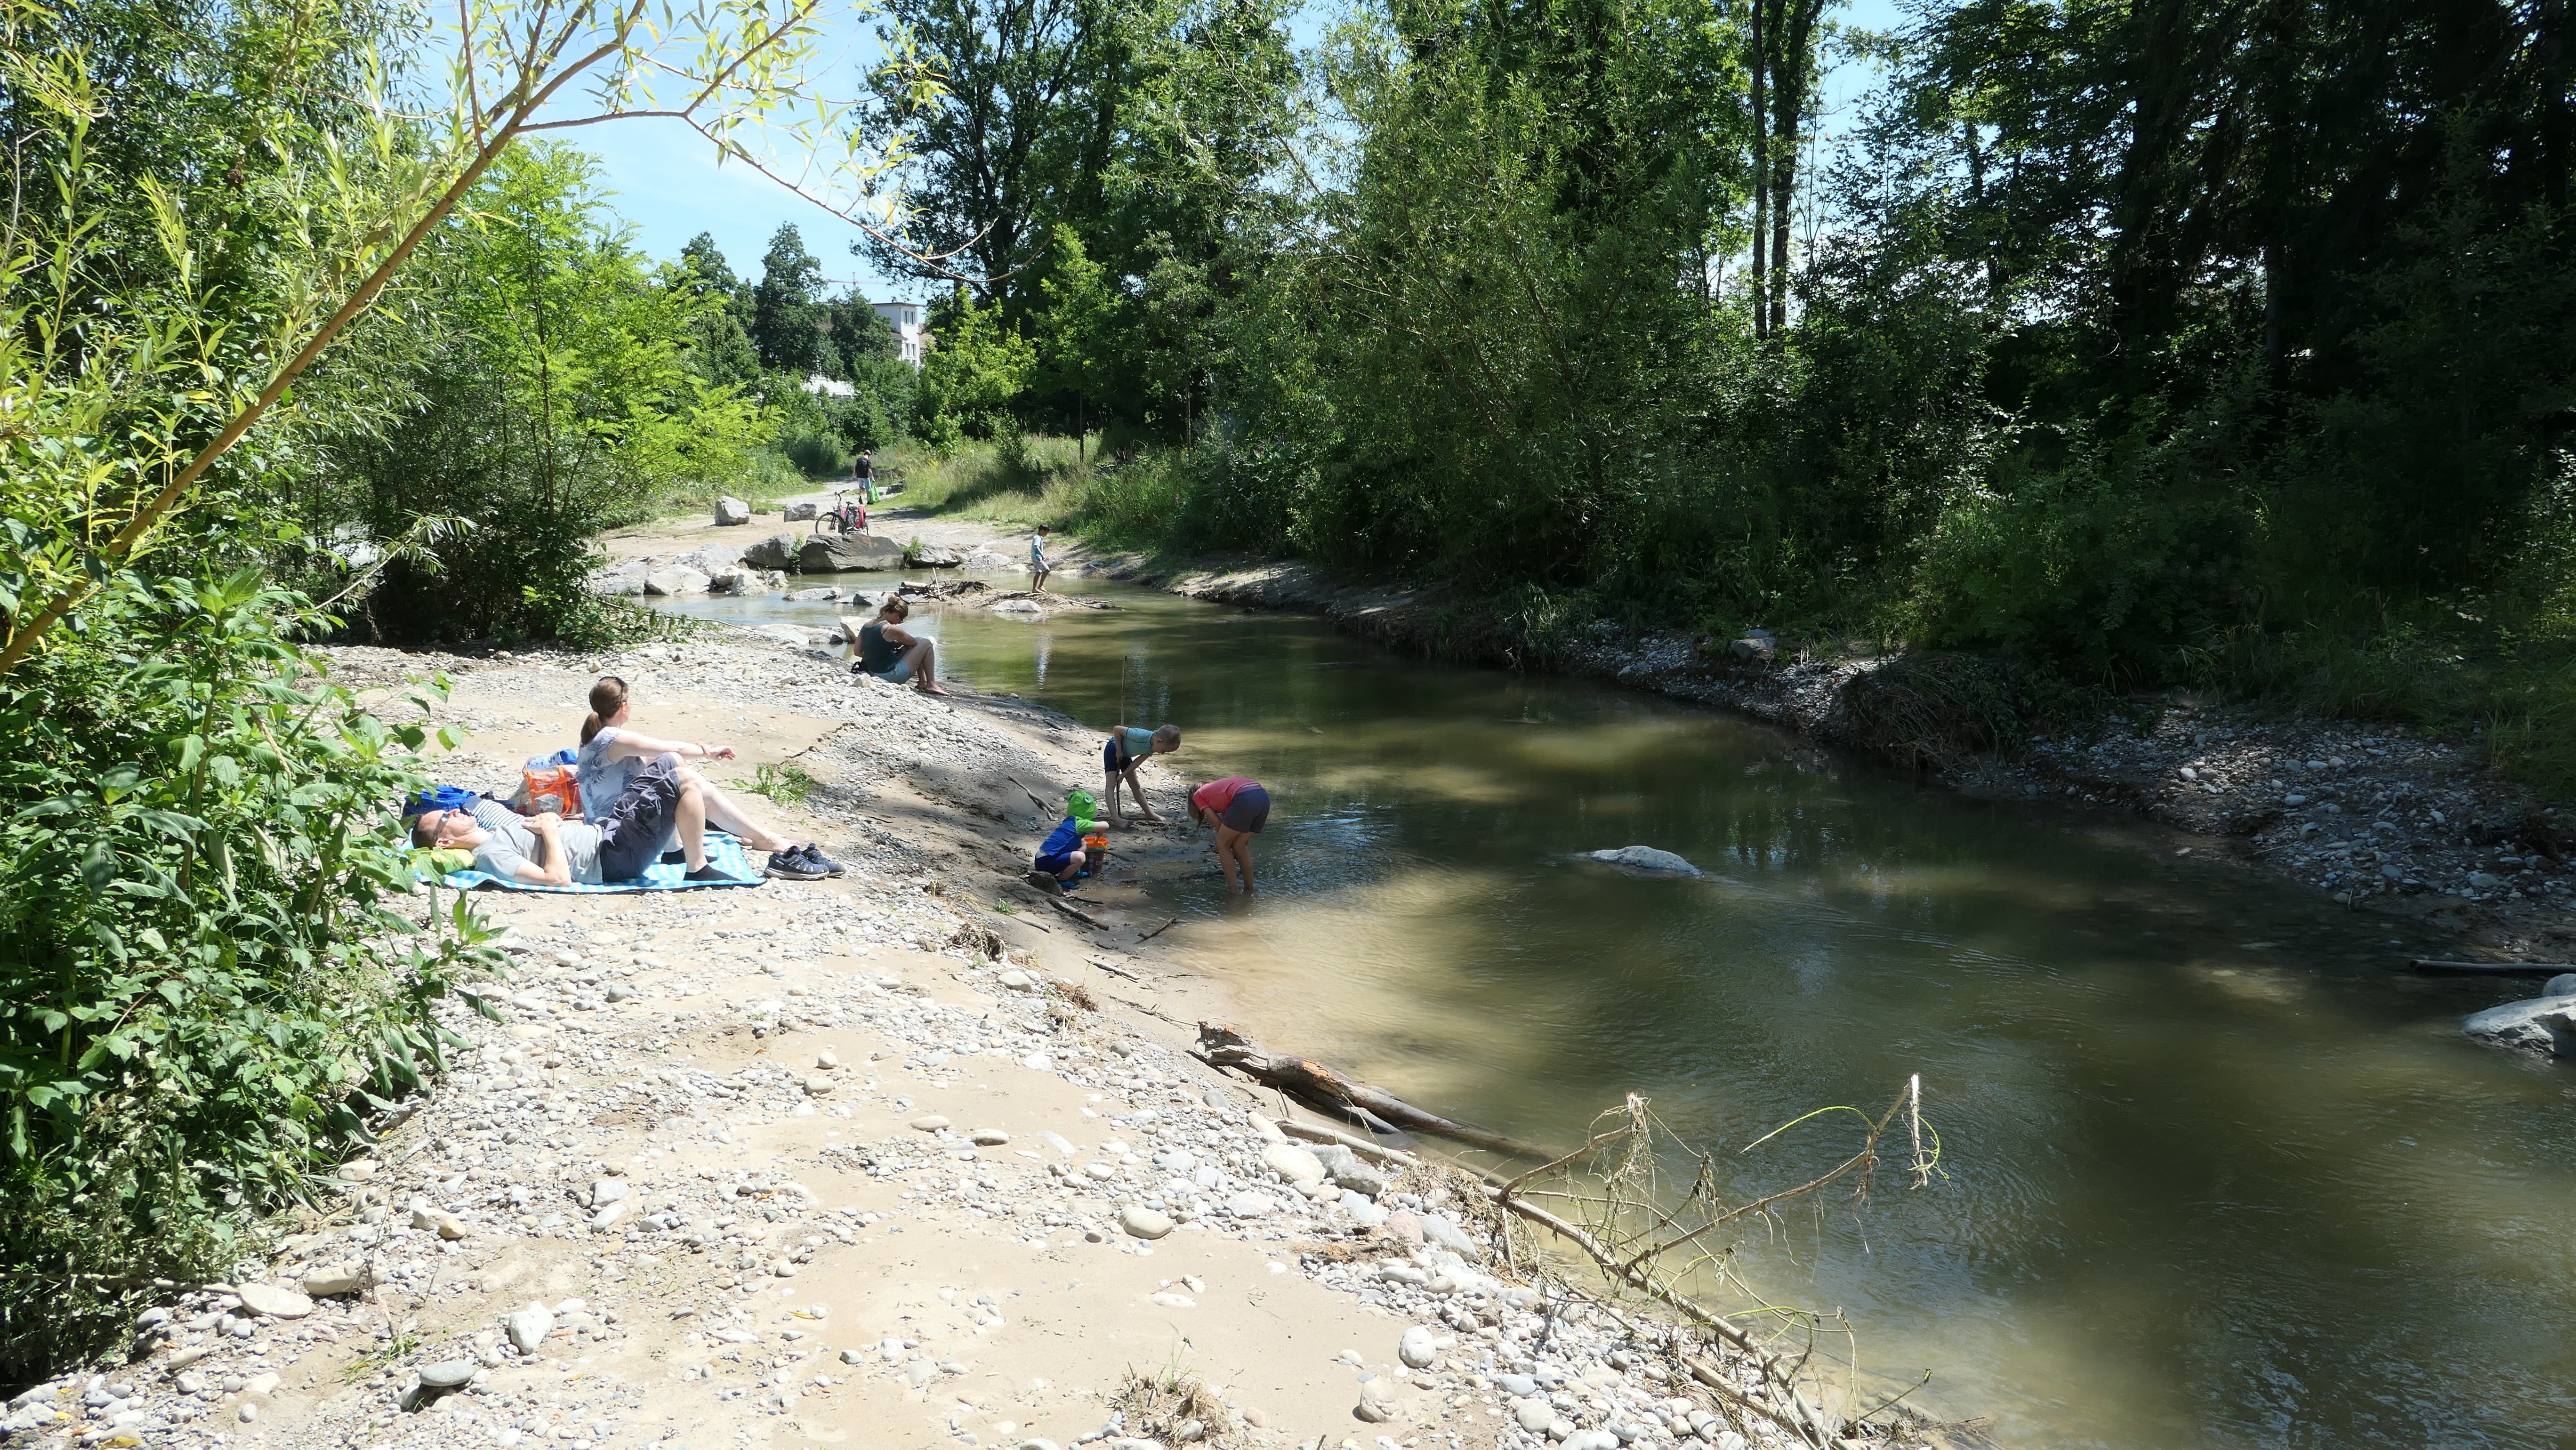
(1039, 567)
(1239, 808)
(1126, 750)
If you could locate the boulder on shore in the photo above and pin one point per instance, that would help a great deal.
(847, 553)
(710, 559)
(799, 512)
(735, 579)
(731, 511)
(932, 556)
(1646, 858)
(778, 551)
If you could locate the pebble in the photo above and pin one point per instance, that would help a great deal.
(448, 1374)
(929, 1123)
(1293, 1163)
(529, 1327)
(1144, 1223)
(246, 1413)
(1419, 1347)
(989, 1137)
(1377, 1400)
(348, 1279)
(272, 1302)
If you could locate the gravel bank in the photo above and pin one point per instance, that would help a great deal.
(901, 1159)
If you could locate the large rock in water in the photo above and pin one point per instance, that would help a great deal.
(1646, 858)
(675, 581)
(932, 556)
(732, 511)
(2540, 1024)
(778, 551)
(710, 558)
(625, 577)
(847, 553)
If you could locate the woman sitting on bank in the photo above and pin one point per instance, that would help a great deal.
(883, 648)
(612, 756)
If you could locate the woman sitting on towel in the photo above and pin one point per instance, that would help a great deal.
(612, 755)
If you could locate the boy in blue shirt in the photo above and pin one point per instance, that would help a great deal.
(1064, 856)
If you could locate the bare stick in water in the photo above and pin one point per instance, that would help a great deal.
(1222, 1046)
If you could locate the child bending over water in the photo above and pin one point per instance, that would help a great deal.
(1119, 758)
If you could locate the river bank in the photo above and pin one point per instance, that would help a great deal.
(905, 1158)
(2377, 818)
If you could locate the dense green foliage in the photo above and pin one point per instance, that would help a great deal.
(538, 389)
(204, 991)
(208, 983)
(2190, 344)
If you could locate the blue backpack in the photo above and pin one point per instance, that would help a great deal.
(441, 798)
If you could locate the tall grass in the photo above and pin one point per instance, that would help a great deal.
(1034, 479)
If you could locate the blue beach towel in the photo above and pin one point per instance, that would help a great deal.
(724, 853)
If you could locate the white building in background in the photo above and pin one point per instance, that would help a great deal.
(905, 319)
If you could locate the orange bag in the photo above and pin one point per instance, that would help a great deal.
(551, 786)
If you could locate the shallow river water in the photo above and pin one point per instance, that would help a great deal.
(2211, 1175)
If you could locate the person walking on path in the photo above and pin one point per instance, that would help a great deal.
(612, 756)
(866, 469)
(1039, 565)
(883, 648)
(1126, 749)
(1239, 808)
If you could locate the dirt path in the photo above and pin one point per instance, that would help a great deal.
(904, 1159)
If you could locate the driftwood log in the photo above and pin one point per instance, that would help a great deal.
(2432, 968)
(1221, 1046)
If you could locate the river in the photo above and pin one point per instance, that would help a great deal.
(2211, 1175)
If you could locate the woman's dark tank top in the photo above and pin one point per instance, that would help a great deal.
(876, 654)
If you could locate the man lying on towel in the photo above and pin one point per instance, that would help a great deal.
(547, 850)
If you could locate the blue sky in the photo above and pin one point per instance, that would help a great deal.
(664, 180)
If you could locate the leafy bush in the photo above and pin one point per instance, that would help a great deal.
(2109, 565)
(973, 379)
(816, 455)
(202, 990)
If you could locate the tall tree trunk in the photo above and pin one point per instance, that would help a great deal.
(1788, 103)
(1761, 179)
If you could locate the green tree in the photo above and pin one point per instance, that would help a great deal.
(1081, 327)
(551, 399)
(720, 346)
(973, 379)
(786, 307)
